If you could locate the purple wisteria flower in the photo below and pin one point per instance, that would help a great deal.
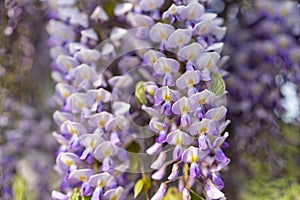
(264, 61)
(25, 160)
(24, 152)
(89, 130)
(191, 120)
(263, 41)
(170, 65)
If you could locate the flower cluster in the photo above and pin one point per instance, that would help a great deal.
(265, 59)
(24, 159)
(15, 12)
(175, 70)
(263, 43)
(23, 150)
(90, 134)
(187, 118)
(17, 47)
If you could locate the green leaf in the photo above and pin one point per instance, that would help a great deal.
(87, 198)
(134, 163)
(147, 183)
(133, 147)
(140, 93)
(172, 194)
(20, 191)
(218, 86)
(109, 7)
(138, 187)
(76, 195)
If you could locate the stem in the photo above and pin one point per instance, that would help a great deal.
(197, 195)
(95, 166)
(166, 182)
(144, 178)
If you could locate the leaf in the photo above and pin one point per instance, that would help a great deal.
(147, 183)
(87, 198)
(218, 86)
(77, 196)
(140, 93)
(134, 163)
(138, 187)
(109, 8)
(20, 191)
(133, 147)
(172, 194)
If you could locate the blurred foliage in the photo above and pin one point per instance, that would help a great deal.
(279, 189)
(274, 180)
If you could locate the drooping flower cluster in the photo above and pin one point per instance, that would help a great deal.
(17, 43)
(173, 68)
(23, 150)
(25, 162)
(16, 11)
(89, 132)
(265, 59)
(263, 44)
(186, 116)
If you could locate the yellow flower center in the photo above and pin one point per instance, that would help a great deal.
(63, 119)
(158, 127)
(100, 184)
(209, 65)
(151, 92)
(178, 141)
(114, 197)
(68, 162)
(194, 159)
(82, 178)
(166, 69)
(173, 11)
(107, 153)
(85, 76)
(180, 41)
(163, 35)
(99, 97)
(101, 123)
(153, 60)
(73, 130)
(66, 94)
(185, 109)
(92, 144)
(116, 128)
(69, 65)
(80, 104)
(216, 117)
(167, 97)
(202, 131)
(191, 56)
(202, 101)
(151, 6)
(191, 82)
(191, 15)
(202, 30)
